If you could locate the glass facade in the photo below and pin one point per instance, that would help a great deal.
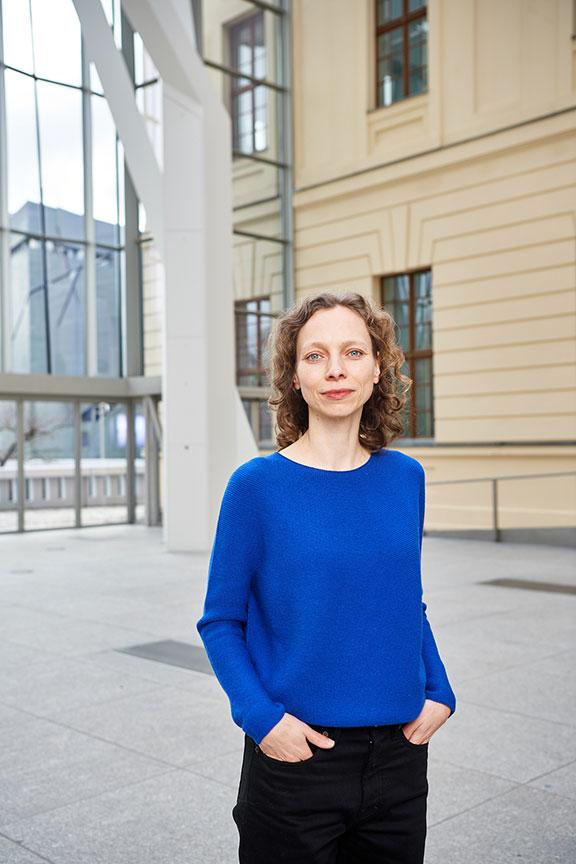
(69, 217)
(62, 214)
(246, 50)
(64, 200)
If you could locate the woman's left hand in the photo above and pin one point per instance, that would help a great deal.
(432, 716)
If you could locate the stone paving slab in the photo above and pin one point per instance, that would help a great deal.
(175, 818)
(46, 765)
(524, 824)
(110, 758)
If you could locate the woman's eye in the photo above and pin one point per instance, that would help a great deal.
(315, 353)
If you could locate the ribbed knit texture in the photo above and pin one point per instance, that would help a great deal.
(314, 597)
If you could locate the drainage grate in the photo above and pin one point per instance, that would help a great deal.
(530, 585)
(173, 653)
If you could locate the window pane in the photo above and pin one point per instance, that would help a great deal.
(27, 295)
(144, 68)
(414, 5)
(8, 467)
(423, 309)
(265, 325)
(243, 44)
(388, 10)
(66, 307)
(56, 24)
(247, 405)
(259, 59)
(248, 102)
(252, 329)
(23, 177)
(49, 464)
(390, 67)
(418, 54)
(105, 173)
(104, 481)
(260, 121)
(95, 83)
(265, 418)
(247, 345)
(17, 34)
(149, 102)
(423, 384)
(60, 110)
(396, 301)
(424, 424)
(108, 305)
(56, 302)
(244, 121)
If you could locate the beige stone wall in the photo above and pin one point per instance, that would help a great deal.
(477, 180)
(498, 230)
(492, 64)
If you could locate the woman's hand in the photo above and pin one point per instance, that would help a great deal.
(287, 740)
(432, 716)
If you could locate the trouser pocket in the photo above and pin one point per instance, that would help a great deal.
(404, 740)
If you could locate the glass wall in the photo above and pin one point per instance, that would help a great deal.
(62, 213)
(65, 197)
(246, 49)
(49, 465)
(8, 467)
(104, 462)
(82, 463)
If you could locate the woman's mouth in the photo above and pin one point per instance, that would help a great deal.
(337, 394)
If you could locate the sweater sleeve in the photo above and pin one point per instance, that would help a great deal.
(438, 687)
(233, 560)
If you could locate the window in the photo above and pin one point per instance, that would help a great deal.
(408, 298)
(401, 49)
(60, 141)
(253, 319)
(252, 327)
(248, 100)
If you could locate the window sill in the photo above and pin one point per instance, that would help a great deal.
(407, 103)
(401, 124)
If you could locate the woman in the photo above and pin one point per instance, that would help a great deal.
(313, 619)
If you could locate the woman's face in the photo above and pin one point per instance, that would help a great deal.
(334, 352)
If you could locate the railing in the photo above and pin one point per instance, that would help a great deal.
(103, 483)
(496, 528)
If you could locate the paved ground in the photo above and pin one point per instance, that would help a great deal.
(107, 758)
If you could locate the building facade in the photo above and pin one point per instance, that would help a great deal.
(434, 171)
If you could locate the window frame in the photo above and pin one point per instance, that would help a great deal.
(236, 89)
(403, 21)
(240, 310)
(252, 395)
(413, 354)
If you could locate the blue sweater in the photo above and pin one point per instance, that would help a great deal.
(314, 597)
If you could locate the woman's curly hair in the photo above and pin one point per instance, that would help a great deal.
(381, 420)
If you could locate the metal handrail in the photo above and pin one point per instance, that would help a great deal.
(494, 481)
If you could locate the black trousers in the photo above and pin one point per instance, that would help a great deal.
(363, 801)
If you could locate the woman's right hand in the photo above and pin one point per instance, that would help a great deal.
(287, 741)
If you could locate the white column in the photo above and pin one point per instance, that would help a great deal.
(206, 432)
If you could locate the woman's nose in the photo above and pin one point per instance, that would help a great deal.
(334, 368)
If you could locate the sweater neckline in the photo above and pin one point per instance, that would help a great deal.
(301, 466)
